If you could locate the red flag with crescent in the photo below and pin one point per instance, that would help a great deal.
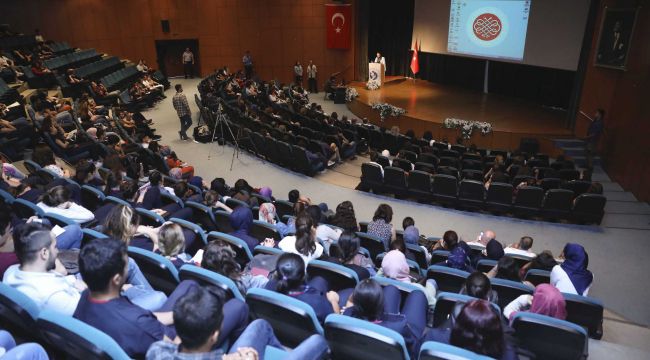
(415, 61)
(338, 21)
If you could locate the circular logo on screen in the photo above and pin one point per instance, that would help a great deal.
(374, 75)
(487, 27)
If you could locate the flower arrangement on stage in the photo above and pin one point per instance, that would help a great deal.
(386, 110)
(372, 85)
(350, 94)
(467, 127)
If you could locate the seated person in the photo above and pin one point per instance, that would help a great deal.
(219, 257)
(572, 276)
(522, 247)
(268, 215)
(383, 307)
(478, 328)
(290, 280)
(173, 162)
(57, 201)
(103, 264)
(304, 243)
(171, 244)
(198, 318)
(40, 276)
(241, 220)
(546, 300)
(350, 257)
(71, 78)
(211, 200)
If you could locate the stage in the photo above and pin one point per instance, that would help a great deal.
(428, 104)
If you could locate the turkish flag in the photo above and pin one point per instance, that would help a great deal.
(415, 62)
(338, 21)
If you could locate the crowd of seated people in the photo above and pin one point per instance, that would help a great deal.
(98, 289)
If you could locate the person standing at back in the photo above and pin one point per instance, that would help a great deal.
(297, 72)
(182, 108)
(311, 77)
(248, 65)
(188, 63)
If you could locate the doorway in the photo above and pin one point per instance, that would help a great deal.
(169, 53)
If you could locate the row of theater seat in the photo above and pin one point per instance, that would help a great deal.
(72, 60)
(471, 194)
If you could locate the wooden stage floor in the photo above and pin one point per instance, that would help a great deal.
(428, 104)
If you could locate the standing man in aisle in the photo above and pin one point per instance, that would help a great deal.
(311, 77)
(297, 72)
(188, 63)
(248, 64)
(183, 110)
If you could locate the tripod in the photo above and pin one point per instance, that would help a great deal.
(220, 122)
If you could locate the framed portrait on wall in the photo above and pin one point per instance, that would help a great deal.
(616, 31)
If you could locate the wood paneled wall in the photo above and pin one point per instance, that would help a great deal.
(277, 32)
(625, 96)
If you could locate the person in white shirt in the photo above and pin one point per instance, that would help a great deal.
(572, 276)
(324, 234)
(304, 243)
(57, 201)
(521, 248)
(311, 77)
(188, 63)
(142, 67)
(38, 275)
(297, 72)
(380, 60)
(483, 238)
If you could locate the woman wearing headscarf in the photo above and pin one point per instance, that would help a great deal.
(241, 220)
(268, 215)
(547, 300)
(395, 266)
(572, 276)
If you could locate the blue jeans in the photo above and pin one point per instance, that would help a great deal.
(70, 239)
(186, 123)
(27, 351)
(259, 334)
(141, 293)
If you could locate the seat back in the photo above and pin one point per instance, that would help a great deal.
(17, 311)
(403, 287)
(586, 312)
(499, 193)
(485, 265)
(242, 252)
(588, 208)
(371, 175)
(438, 256)
(509, 290)
(529, 198)
(356, 339)
(206, 277)
(537, 276)
(395, 178)
(202, 215)
(558, 201)
(292, 320)
(420, 255)
(433, 350)
(549, 338)
(57, 219)
(471, 192)
(373, 244)
(261, 230)
(222, 220)
(338, 276)
(283, 207)
(24, 209)
(77, 339)
(445, 185)
(448, 279)
(159, 271)
(445, 303)
(91, 198)
(149, 218)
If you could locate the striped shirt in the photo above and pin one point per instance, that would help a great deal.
(181, 105)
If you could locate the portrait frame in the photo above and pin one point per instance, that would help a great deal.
(615, 36)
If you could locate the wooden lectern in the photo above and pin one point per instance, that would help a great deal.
(376, 73)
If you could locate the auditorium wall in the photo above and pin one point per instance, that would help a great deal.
(277, 32)
(624, 95)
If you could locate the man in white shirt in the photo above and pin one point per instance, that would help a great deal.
(188, 63)
(311, 77)
(482, 240)
(522, 248)
(380, 60)
(38, 275)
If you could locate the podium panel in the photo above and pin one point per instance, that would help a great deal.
(376, 73)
